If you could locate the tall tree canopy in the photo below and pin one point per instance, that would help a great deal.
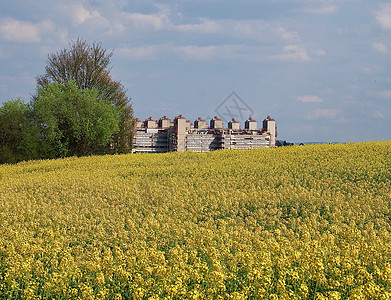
(89, 67)
(72, 121)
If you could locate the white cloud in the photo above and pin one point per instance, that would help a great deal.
(385, 94)
(20, 31)
(154, 21)
(293, 53)
(254, 29)
(380, 47)
(206, 26)
(258, 30)
(190, 52)
(286, 35)
(197, 53)
(246, 28)
(309, 99)
(371, 69)
(323, 10)
(162, 21)
(140, 53)
(383, 16)
(239, 52)
(322, 114)
(80, 14)
(243, 29)
(320, 52)
(378, 114)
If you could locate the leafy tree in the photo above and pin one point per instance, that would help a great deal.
(89, 67)
(72, 121)
(18, 138)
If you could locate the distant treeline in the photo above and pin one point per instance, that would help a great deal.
(280, 143)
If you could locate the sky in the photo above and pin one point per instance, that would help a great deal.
(320, 68)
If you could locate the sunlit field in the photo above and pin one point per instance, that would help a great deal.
(302, 222)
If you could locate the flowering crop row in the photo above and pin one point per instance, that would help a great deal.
(310, 222)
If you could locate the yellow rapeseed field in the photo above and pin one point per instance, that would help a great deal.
(303, 222)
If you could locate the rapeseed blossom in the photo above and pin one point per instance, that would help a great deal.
(309, 222)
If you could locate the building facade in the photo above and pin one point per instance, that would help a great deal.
(166, 135)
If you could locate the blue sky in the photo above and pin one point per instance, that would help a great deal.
(321, 68)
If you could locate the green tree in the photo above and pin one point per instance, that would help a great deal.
(72, 121)
(18, 138)
(89, 67)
